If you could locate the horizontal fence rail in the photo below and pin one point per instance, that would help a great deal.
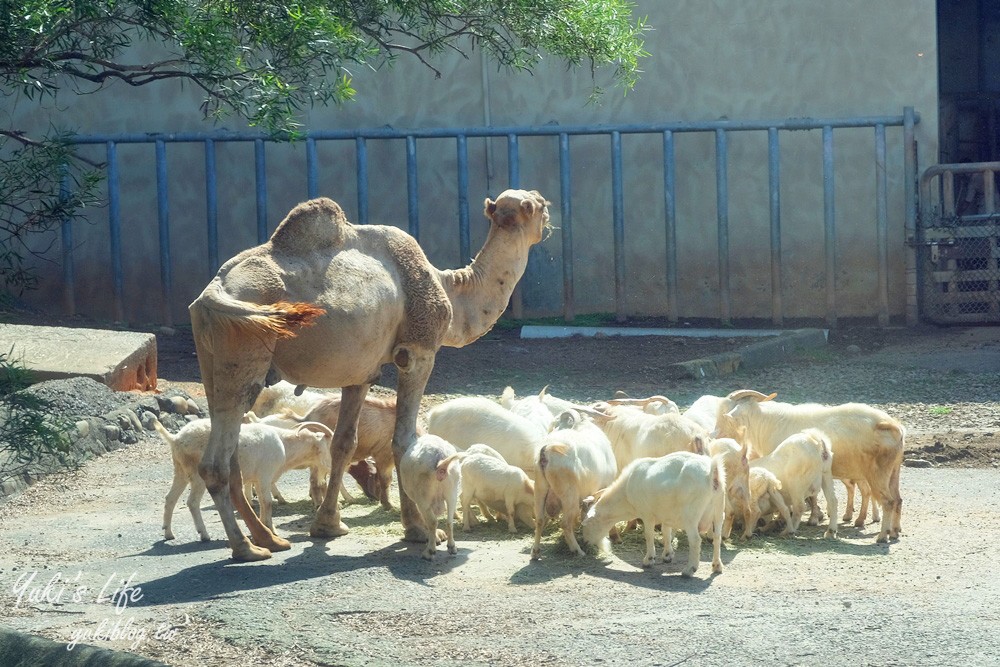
(621, 170)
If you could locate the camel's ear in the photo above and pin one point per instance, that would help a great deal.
(489, 208)
(528, 206)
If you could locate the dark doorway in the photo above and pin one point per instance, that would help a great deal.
(969, 80)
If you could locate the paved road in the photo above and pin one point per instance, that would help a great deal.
(364, 599)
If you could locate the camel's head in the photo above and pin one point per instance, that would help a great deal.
(520, 210)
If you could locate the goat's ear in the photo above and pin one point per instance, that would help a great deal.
(587, 503)
(489, 208)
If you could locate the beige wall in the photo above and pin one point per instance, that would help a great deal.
(709, 60)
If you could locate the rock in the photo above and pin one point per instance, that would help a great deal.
(167, 331)
(83, 428)
(112, 432)
(919, 463)
(853, 349)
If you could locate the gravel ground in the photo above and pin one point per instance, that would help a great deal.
(367, 598)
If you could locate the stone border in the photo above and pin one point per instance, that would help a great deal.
(754, 355)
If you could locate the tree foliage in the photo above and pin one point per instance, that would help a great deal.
(263, 61)
(31, 439)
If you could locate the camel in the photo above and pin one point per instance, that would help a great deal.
(325, 303)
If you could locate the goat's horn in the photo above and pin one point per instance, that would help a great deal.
(588, 411)
(541, 394)
(750, 393)
(638, 401)
(621, 394)
(314, 426)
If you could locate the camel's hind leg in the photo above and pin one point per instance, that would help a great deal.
(345, 440)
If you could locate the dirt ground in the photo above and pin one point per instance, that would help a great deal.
(368, 599)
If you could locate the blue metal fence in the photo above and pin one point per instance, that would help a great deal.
(665, 132)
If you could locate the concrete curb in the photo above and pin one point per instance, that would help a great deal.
(19, 649)
(755, 355)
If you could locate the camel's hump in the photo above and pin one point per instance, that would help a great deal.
(312, 225)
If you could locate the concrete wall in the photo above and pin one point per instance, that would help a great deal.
(710, 59)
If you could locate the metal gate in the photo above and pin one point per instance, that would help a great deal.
(958, 244)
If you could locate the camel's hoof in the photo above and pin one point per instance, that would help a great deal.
(274, 543)
(327, 531)
(248, 553)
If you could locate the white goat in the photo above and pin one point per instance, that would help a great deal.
(765, 500)
(706, 409)
(634, 434)
(469, 420)
(317, 473)
(574, 462)
(431, 477)
(734, 460)
(281, 396)
(540, 409)
(264, 453)
(803, 463)
(682, 490)
(867, 443)
(490, 482)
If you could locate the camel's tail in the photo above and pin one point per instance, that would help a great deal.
(281, 319)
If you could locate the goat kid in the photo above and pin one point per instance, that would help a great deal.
(682, 490)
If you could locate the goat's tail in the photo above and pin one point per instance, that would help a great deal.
(551, 503)
(281, 319)
(441, 470)
(167, 436)
(717, 473)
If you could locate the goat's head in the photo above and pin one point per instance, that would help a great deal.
(365, 474)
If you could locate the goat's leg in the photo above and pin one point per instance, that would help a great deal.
(276, 494)
(571, 516)
(831, 505)
(173, 495)
(194, 506)
(668, 542)
(541, 490)
(650, 535)
(414, 365)
(718, 519)
(778, 501)
(466, 511)
(384, 473)
(452, 501)
(849, 505)
(510, 507)
(694, 549)
(327, 522)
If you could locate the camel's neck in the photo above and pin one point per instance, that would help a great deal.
(480, 291)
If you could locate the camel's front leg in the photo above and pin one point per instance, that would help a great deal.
(215, 469)
(415, 365)
(345, 440)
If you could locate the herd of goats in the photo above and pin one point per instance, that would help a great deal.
(327, 303)
(742, 458)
